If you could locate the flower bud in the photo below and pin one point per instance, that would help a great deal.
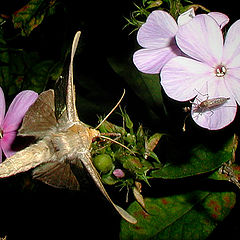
(103, 163)
(119, 173)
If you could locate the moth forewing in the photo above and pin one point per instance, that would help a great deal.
(70, 98)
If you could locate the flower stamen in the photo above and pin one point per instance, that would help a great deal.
(220, 71)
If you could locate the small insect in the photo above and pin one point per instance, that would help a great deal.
(206, 105)
(209, 104)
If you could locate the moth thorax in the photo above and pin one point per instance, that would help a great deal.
(93, 133)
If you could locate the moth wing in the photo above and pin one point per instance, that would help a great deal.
(40, 117)
(57, 174)
(87, 162)
(60, 94)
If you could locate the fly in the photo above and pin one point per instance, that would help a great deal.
(209, 104)
(206, 105)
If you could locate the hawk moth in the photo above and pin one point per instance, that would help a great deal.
(63, 146)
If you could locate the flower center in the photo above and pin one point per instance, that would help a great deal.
(220, 71)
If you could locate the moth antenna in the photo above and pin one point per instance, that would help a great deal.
(120, 144)
(111, 110)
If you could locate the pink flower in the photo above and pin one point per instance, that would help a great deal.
(118, 173)
(157, 37)
(211, 70)
(10, 122)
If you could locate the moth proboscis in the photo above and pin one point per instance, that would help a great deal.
(63, 144)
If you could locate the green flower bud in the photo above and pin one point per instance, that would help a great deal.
(103, 163)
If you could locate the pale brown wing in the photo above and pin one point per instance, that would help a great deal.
(87, 162)
(57, 174)
(40, 117)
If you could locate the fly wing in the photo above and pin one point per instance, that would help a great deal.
(57, 174)
(40, 117)
(87, 162)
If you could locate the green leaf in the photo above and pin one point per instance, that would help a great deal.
(39, 75)
(31, 15)
(146, 86)
(200, 159)
(192, 215)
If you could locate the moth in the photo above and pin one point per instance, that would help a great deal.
(64, 142)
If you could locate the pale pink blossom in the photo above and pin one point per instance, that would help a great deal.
(10, 122)
(157, 37)
(211, 70)
(118, 173)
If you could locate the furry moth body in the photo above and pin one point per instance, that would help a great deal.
(63, 144)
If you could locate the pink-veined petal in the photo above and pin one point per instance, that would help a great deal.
(17, 110)
(158, 31)
(221, 19)
(182, 77)
(231, 52)
(152, 60)
(2, 106)
(219, 116)
(233, 82)
(6, 143)
(201, 39)
(186, 17)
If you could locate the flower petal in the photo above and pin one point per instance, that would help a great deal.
(0, 153)
(6, 143)
(158, 31)
(201, 39)
(152, 60)
(182, 77)
(231, 52)
(2, 106)
(221, 19)
(17, 110)
(218, 117)
(186, 17)
(233, 82)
